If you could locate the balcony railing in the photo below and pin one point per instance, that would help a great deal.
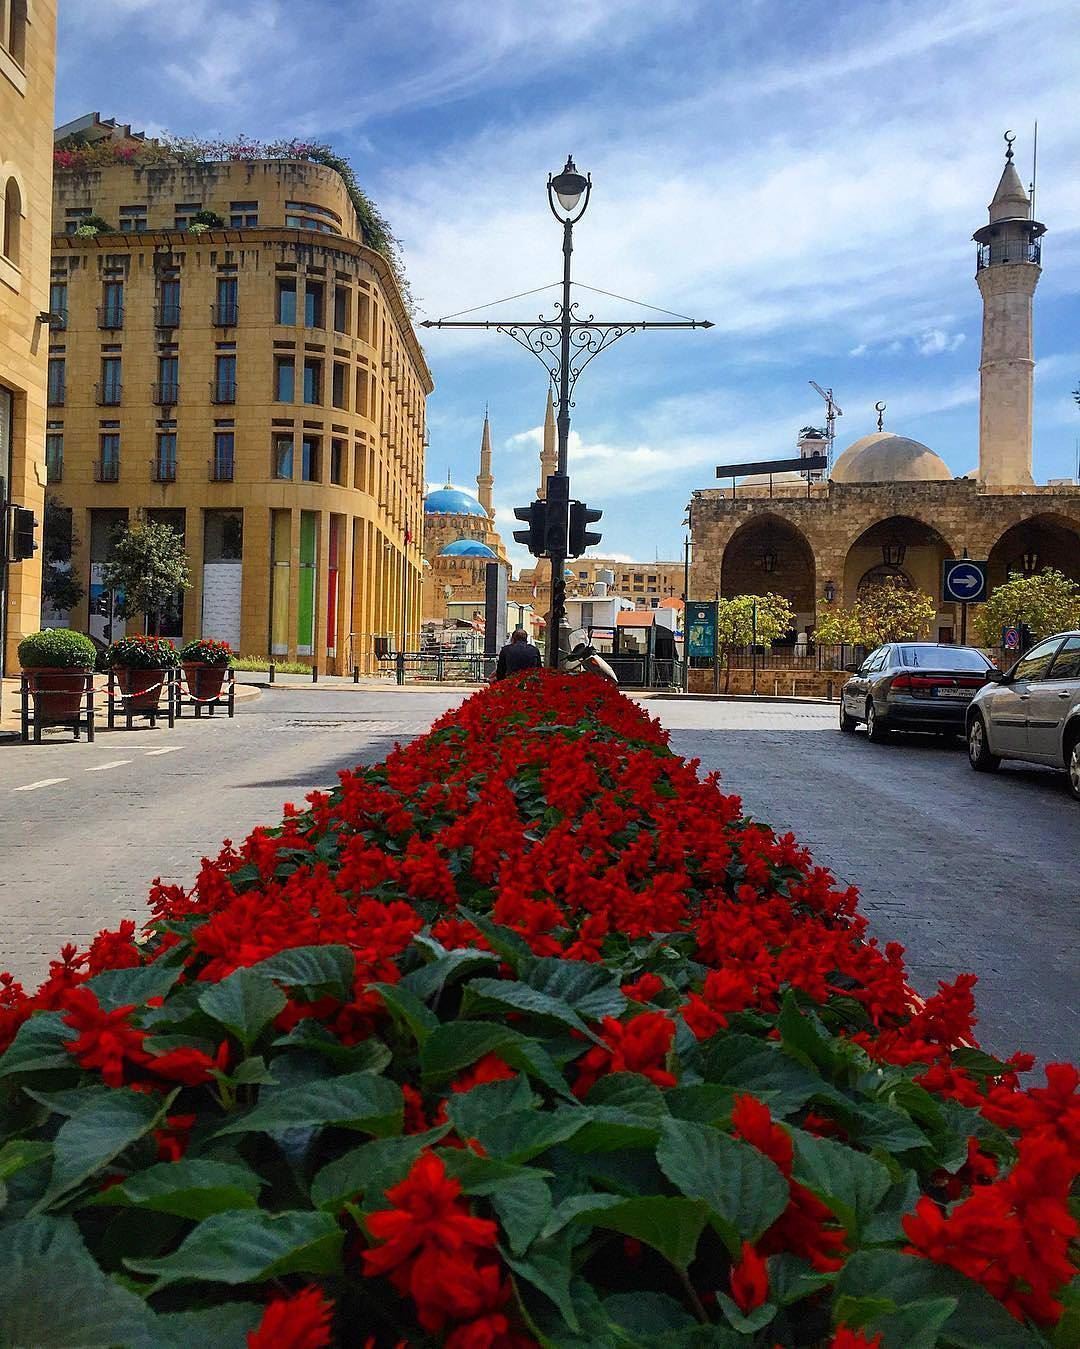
(54, 469)
(57, 397)
(106, 470)
(223, 391)
(167, 316)
(1009, 250)
(224, 315)
(108, 395)
(58, 319)
(110, 316)
(165, 395)
(221, 468)
(163, 468)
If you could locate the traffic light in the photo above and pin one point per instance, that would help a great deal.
(535, 537)
(23, 543)
(100, 604)
(581, 536)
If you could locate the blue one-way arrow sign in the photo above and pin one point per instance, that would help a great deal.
(964, 581)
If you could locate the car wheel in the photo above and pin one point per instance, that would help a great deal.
(847, 723)
(1072, 763)
(876, 730)
(978, 746)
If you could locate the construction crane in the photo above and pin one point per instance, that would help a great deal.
(832, 411)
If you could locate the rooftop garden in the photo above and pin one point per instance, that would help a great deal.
(77, 155)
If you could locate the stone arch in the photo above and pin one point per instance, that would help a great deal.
(770, 554)
(1043, 539)
(901, 545)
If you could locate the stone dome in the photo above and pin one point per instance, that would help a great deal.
(452, 501)
(885, 457)
(469, 548)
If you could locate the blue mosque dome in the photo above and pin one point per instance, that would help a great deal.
(450, 500)
(469, 548)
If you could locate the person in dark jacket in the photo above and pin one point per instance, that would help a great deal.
(517, 655)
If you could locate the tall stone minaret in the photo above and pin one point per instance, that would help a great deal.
(484, 480)
(1008, 272)
(549, 454)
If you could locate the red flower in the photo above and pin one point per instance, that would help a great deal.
(172, 1139)
(488, 1069)
(644, 989)
(106, 1040)
(749, 1280)
(188, 1065)
(298, 1322)
(853, 1339)
(637, 1046)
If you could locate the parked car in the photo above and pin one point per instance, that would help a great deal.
(1031, 712)
(913, 686)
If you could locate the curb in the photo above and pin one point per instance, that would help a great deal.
(742, 698)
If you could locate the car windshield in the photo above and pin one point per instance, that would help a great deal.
(943, 658)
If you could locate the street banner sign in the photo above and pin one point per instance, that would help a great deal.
(964, 581)
(701, 630)
(1011, 638)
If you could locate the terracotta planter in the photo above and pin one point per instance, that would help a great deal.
(60, 693)
(204, 681)
(144, 686)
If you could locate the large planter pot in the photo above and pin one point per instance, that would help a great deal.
(144, 687)
(59, 693)
(204, 681)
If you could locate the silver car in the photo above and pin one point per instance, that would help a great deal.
(1031, 712)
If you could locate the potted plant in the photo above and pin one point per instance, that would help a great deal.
(205, 664)
(58, 662)
(141, 665)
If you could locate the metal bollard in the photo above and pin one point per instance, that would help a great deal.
(314, 674)
(399, 667)
(271, 672)
(828, 689)
(356, 674)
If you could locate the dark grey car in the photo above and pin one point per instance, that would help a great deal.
(913, 686)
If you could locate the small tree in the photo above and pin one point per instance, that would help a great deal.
(886, 612)
(61, 589)
(751, 618)
(147, 568)
(1046, 603)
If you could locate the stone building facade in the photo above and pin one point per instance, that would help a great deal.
(27, 79)
(891, 506)
(257, 384)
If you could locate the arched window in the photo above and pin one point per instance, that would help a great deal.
(15, 37)
(12, 221)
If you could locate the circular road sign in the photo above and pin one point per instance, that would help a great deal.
(965, 581)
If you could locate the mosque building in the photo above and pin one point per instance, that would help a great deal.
(891, 507)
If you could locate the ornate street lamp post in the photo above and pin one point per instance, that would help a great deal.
(565, 344)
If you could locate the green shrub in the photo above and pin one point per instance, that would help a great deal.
(207, 651)
(143, 653)
(57, 648)
(256, 664)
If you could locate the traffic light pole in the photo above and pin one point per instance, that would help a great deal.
(559, 490)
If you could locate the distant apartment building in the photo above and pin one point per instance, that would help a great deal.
(27, 77)
(239, 363)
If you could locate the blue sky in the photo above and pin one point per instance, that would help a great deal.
(805, 174)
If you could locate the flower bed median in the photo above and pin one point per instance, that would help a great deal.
(524, 1036)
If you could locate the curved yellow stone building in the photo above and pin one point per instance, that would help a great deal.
(255, 382)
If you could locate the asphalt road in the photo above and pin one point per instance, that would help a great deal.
(969, 872)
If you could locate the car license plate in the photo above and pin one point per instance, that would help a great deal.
(955, 693)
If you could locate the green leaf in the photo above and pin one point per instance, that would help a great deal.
(223, 1326)
(769, 1074)
(455, 1046)
(915, 1326)
(523, 1206)
(547, 1267)
(573, 1206)
(705, 1102)
(792, 1279)
(514, 949)
(805, 1038)
(644, 1313)
(314, 971)
(469, 1111)
(884, 1224)
(406, 1008)
(740, 1185)
(446, 968)
(244, 1003)
(250, 1246)
(585, 986)
(485, 995)
(751, 1322)
(877, 1124)
(383, 1161)
(54, 1296)
(19, 1153)
(119, 988)
(369, 1056)
(355, 1101)
(851, 1183)
(631, 1093)
(40, 1043)
(252, 1072)
(94, 1136)
(978, 1321)
(192, 1187)
(521, 1134)
(670, 1226)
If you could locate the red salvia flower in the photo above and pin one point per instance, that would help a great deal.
(749, 1280)
(301, 1321)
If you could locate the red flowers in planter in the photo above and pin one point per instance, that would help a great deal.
(301, 1321)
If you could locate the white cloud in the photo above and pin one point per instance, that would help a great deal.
(860, 350)
(934, 341)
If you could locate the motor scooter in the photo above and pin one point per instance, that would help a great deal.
(583, 658)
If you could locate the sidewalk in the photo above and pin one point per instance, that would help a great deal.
(11, 704)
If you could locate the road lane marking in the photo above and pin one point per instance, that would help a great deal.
(33, 786)
(167, 749)
(115, 763)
